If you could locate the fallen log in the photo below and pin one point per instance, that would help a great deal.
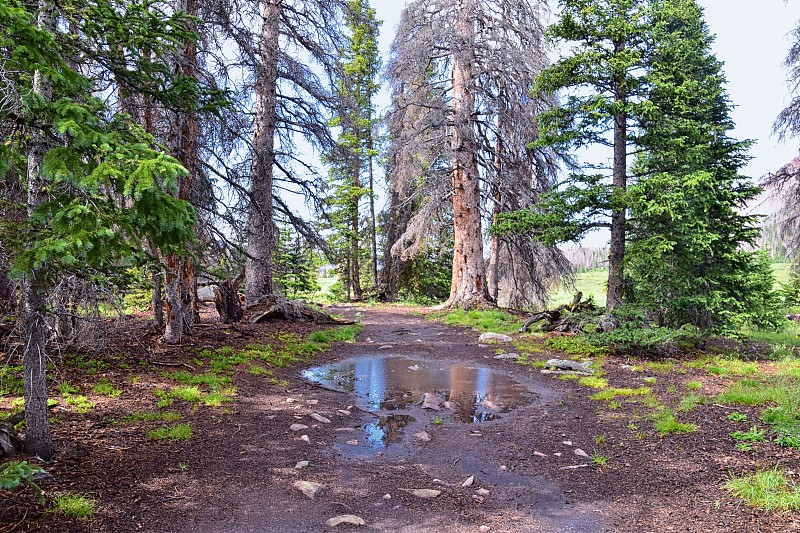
(567, 318)
(276, 307)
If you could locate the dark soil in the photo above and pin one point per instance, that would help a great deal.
(236, 473)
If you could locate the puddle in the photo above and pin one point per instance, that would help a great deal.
(386, 430)
(395, 383)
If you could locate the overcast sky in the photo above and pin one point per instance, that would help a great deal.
(752, 41)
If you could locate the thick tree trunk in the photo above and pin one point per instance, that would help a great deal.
(261, 232)
(34, 358)
(393, 265)
(616, 255)
(372, 222)
(494, 263)
(468, 288)
(181, 284)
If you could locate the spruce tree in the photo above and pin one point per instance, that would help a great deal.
(686, 258)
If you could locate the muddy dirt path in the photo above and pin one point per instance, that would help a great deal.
(246, 485)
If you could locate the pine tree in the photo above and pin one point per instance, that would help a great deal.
(687, 264)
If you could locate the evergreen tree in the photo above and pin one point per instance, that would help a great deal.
(686, 262)
(97, 188)
(295, 273)
(352, 158)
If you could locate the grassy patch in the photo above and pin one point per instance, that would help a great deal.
(65, 388)
(593, 382)
(258, 370)
(770, 490)
(73, 505)
(485, 321)
(665, 423)
(11, 383)
(613, 392)
(91, 366)
(105, 388)
(187, 393)
(575, 346)
(691, 401)
(79, 402)
(752, 435)
(737, 417)
(177, 433)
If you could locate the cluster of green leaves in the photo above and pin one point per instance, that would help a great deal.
(484, 320)
(176, 433)
(16, 473)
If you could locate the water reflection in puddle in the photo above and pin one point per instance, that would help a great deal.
(386, 430)
(395, 383)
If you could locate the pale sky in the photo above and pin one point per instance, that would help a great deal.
(752, 41)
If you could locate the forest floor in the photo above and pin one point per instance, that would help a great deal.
(238, 471)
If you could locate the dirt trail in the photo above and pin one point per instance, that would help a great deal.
(249, 487)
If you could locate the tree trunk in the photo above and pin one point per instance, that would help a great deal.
(181, 284)
(261, 231)
(372, 223)
(355, 264)
(468, 288)
(494, 263)
(616, 256)
(393, 266)
(34, 358)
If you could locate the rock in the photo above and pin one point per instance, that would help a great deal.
(386, 347)
(468, 482)
(298, 427)
(414, 367)
(291, 400)
(425, 493)
(484, 529)
(483, 492)
(452, 406)
(352, 442)
(574, 467)
(345, 430)
(567, 443)
(320, 418)
(431, 401)
(309, 488)
(495, 337)
(581, 453)
(387, 496)
(369, 340)
(305, 438)
(301, 464)
(350, 519)
(539, 454)
(504, 468)
(423, 436)
(312, 402)
(557, 454)
(571, 366)
(510, 355)
(343, 412)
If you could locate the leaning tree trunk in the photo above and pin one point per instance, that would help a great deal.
(34, 289)
(261, 232)
(616, 255)
(468, 288)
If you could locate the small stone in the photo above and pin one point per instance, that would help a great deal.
(507, 356)
(567, 443)
(450, 405)
(468, 482)
(291, 400)
(557, 454)
(423, 436)
(369, 340)
(574, 467)
(350, 519)
(495, 337)
(581, 453)
(344, 412)
(387, 496)
(312, 402)
(483, 492)
(320, 418)
(484, 529)
(431, 401)
(414, 367)
(386, 347)
(298, 427)
(539, 454)
(504, 468)
(352, 442)
(425, 493)
(345, 430)
(305, 438)
(301, 464)
(309, 488)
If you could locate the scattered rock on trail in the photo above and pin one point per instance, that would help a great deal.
(301, 464)
(581, 453)
(424, 436)
(430, 401)
(564, 365)
(309, 488)
(483, 492)
(298, 427)
(425, 493)
(305, 439)
(320, 418)
(468, 482)
(495, 337)
(386, 347)
(511, 355)
(350, 519)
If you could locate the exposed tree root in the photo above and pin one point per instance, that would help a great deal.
(277, 307)
(565, 318)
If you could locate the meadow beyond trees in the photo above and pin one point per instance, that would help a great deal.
(198, 197)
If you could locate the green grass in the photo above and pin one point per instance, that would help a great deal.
(593, 382)
(187, 393)
(79, 403)
(11, 383)
(770, 490)
(591, 283)
(73, 505)
(665, 423)
(613, 392)
(177, 433)
(105, 388)
(208, 379)
(65, 388)
(599, 459)
(575, 346)
(737, 417)
(485, 321)
(752, 435)
(691, 401)
(258, 370)
(693, 385)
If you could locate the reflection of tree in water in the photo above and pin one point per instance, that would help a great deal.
(388, 429)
